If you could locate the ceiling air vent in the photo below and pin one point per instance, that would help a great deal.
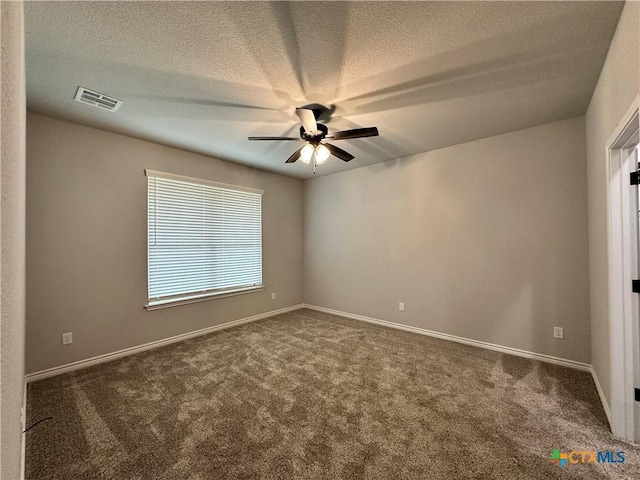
(98, 100)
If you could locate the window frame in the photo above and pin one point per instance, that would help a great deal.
(188, 298)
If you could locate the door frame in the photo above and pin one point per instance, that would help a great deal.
(624, 306)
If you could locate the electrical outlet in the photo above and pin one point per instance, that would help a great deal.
(401, 306)
(558, 332)
(67, 338)
(273, 296)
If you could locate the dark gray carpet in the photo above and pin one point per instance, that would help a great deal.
(308, 395)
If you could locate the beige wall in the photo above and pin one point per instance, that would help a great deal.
(12, 237)
(86, 242)
(485, 240)
(617, 87)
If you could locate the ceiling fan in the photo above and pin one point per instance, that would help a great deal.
(315, 134)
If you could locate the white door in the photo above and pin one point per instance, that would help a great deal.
(634, 344)
(624, 268)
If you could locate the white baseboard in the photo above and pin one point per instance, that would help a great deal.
(603, 399)
(467, 341)
(51, 372)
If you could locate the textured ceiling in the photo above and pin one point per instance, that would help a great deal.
(203, 76)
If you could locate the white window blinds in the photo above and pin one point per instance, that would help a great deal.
(203, 238)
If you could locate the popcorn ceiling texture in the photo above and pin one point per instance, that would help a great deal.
(309, 395)
(427, 74)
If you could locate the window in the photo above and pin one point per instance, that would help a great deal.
(204, 239)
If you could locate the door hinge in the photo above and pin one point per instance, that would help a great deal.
(637, 394)
(635, 286)
(634, 178)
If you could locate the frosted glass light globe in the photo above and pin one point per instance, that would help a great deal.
(306, 153)
(322, 154)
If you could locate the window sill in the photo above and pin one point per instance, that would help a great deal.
(176, 302)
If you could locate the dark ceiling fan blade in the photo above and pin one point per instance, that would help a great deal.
(355, 133)
(295, 155)
(338, 152)
(308, 120)
(276, 138)
(321, 112)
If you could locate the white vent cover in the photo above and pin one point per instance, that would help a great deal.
(98, 100)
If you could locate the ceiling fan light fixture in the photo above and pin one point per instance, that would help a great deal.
(322, 154)
(306, 153)
(314, 133)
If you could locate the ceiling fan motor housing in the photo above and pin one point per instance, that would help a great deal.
(314, 139)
